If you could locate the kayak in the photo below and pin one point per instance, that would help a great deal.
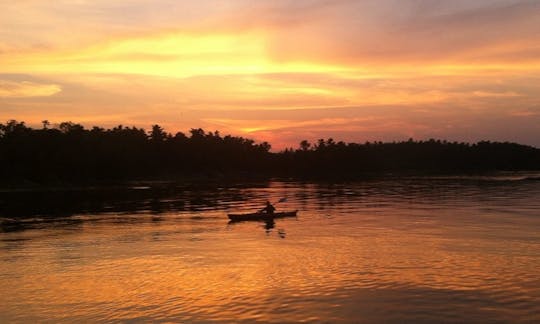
(260, 216)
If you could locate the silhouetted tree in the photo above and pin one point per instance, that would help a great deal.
(305, 145)
(71, 153)
(158, 134)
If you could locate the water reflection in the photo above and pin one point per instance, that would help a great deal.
(397, 250)
(269, 225)
(20, 210)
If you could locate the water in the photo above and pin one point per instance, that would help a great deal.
(456, 249)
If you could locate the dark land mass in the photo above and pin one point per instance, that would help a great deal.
(55, 206)
(73, 155)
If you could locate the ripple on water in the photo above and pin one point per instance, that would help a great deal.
(378, 251)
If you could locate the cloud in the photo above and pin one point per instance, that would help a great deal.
(24, 89)
(377, 34)
(323, 31)
(280, 69)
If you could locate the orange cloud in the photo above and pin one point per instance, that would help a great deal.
(201, 64)
(12, 89)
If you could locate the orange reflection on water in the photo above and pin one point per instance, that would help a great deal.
(354, 259)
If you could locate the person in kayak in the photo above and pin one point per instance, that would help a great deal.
(269, 209)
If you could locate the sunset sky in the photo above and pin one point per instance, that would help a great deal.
(279, 71)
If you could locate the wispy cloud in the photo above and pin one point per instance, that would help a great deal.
(443, 67)
(24, 89)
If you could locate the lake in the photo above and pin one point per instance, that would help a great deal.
(410, 249)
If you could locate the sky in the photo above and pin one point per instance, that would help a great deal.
(278, 71)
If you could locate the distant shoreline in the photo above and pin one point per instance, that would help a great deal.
(71, 155)
(232, 180)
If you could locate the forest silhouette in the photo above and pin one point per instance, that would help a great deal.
(70, 153)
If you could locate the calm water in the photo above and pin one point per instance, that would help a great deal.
(408, 250)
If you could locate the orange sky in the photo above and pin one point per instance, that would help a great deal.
(280, 71)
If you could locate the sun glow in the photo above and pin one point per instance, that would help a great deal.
(171, 54)
(152, 63)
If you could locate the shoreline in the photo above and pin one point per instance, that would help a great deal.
(205, 180)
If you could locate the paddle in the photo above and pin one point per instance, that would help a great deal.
(281, 200)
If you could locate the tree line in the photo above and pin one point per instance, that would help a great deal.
(70, 152)
(431, 156)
